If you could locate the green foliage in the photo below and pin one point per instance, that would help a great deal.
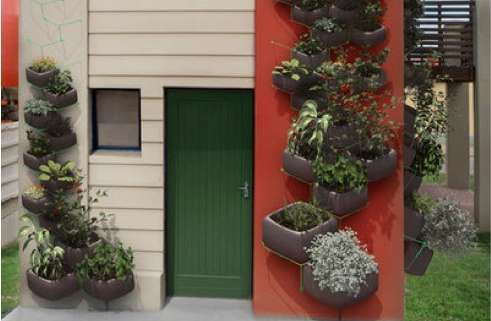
(413, 9)
(38, 107)
(43, 64)
(38, 144)
(107, 262)
(310, 5)
(61, 83)
(66, 172)
(10, 277)
(429, 158)
(60, 128)
(35, 192)
(302, 216)
(308, 45)
(328, 25)
(292, 69)
(341, 176)
(370, 15)
(46, 259)
(422, 203)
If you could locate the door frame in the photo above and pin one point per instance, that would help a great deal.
(252, 192)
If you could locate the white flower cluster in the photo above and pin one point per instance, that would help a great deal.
(449, 228)
(340, 263)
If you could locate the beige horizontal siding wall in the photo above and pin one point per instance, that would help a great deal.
(151, 45)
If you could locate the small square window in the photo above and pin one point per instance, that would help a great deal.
(116, 119)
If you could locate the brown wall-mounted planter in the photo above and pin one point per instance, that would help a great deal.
(39, 79)
(62, 142)
(298, 167)
(409, 154)
(381, 167)
(34, 162)
(41, 121)
(287, 2)
(331, 39)
(54, 185)
(343, 137)
(74, 256)
(311, 61)
(52, 290)
(63, 100)
(340, 204)
(368, 38)
(286, 83)
(289, 243)
(409, 120)
(337, 299)
(347, 4)
(109, 290)
(411, 182)
(308, 17)
(344, 16)
(298, 99)
(13, 115)
(417, 257)
(413, 222)
(36, 206)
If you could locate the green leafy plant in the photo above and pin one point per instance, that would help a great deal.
(308, 45)
(292, 69)
(38, 107)
(107, 262)
(60, 128)
(370, 65)
(340, 263)
(46, 259)
(422, 203)
(429, 158)
(38, 144)
(61, 83)
(370, 15)
(66, 172)
(43, 64)
(310, 5)
(341, 176)
(302, 216)
(35, 192)
(328, 25)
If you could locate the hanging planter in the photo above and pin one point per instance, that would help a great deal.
(412, 182)
(340, 204)
(34, 200)
(291, 76)
(59, 177)
(109, 290)
(311, 61)
(417, 257)
(60, 92)
(347, 16)
(62, 100)
(413, 222)
(41, 72)
(308, 17)
(368, 38)
(34, 162)
(347, 4)
(409, 155)
(409, 120)
(298, 167)
(40, 121)
(73, 256)
(382, 166)
(62, 142)
(329, 32)
(52, 289)
(298, 99)
(282, 236)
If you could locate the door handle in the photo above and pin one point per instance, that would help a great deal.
(245, 190)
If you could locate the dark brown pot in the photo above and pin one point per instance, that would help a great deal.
(411, 182)
(289, 243)
(62, 142)
(331, 39)
(54, 185)
(417, 257)
(337, 299)
(409, 154)
(413, 222)
(381, 167)
(286, 83)
(63, 100)
(109, 290)
(41, 121)
(344, 16)
(308, 17)
(311, 61)
(298, 167)
(36, 206)
(340, 204)
(34, 162)
(347, 4)
(409, 120)
(52, 290)
(368, 38)
(39, 79)
(73, 256)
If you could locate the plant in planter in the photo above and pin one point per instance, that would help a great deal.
(39, 113)
(290, 75)
(107, 274)
(41, 72)
(60, 91)
(345, 11)
(60, 134)
(329, 32)
(55, 176)
(427, 162)
(368, 30)
(39, 152)
(46, 276)
(290, 229)
(35, 200)
(309, 52)
(369, 73)
(342, 185)
(341, 272)
(415, 207)
(308, 11)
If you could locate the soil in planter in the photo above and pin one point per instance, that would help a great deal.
(308, 18)
(52, 289)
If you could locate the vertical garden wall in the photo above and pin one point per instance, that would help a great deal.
(277, 286)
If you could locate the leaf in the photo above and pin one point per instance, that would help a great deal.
(44, 177)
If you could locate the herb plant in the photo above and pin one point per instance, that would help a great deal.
(61, 83)
(308, 45)
(370, 15)
(38, 144)
(38, 107)
(43, 64)
(327, 25)
(302, 216)
(341, 176)
(66, 172)
(292, 69)
(35, 192)
(60, 128)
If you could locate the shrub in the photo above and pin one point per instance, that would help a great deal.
(38, 107)
(340, 263)
(302, 216)
(43, 64)
(61, 83)
(38, 144)
(327, 25)
(35, 192)
(292, 69)
(342, 176)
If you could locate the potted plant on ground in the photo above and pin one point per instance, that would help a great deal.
(309, 52)
(340, 272)
(39, 113)
(369, 73)
(46, 276)
(342, 185)
(289, 230)
(107, 274)
(60, 134)
(55, 176)
(305, 139)
(345, 11)
(368, 30)
(39, 152)
(329, 32)
(290, 76)
(35, 200)
(308, 11)
(60, 91)
(41, 72)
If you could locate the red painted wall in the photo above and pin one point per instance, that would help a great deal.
(10, 43)
(380, 225)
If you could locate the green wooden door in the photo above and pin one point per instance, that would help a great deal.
(209, 142)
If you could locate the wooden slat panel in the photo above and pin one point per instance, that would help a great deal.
(10, 173)
(147, 241)
(133, 219)
(126, 175)
(172, 44)
(151, 154)
(152, 131)
(10, 190)
(10, 155)
(152, 261)
(171, 22)
(182, 5)
(152, 109)
(131, 197)
(190, 66)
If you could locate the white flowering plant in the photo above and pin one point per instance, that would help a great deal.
(340, 263)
